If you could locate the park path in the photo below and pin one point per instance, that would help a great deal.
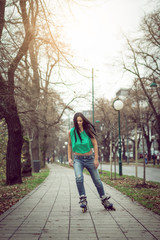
(52, 211)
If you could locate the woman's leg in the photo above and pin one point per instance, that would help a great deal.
(95, 175)
(78, 170)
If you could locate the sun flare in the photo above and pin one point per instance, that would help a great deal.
(95, 37)
(96, 32)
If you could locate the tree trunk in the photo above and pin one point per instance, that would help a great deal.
(134, 146)
(35, 93)
(15, 142)
(44, 148)
(26, 164)
(35, 145)
(158, 130)
(149, 143)
(2, 20)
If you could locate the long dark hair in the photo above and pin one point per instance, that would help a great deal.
(87, 126)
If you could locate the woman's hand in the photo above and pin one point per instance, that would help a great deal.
(70, 151)
(70, 162)
(96, 163)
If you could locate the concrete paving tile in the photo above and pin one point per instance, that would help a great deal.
(81, 224)
(80, 216)
(5, 226)
(56, 222)
(131, 228)
(152, 226)
(141, 233)
(38, 214)
(54, 236)
(34, 221)
(112, 238)
(78, 230)
(60, 230)
(54, 213)
(130, 224)
(104, 222)
(100, 212)
(84, 237)
(109, 231)
(42, 210)
(50, 226)
(55, 219)
(7, 230)
(142, 238)
(115, 234)
(15, 218)
(156, 234)
(5, 235)
(25, 237)
(85, 221)
(104, 226)
(4, 238)
(28, 231)
(80, 235)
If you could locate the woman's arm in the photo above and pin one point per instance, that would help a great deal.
(95, 145)
(70, 150)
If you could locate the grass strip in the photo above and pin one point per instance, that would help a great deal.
(9, 195)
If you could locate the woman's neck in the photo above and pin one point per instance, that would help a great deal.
(81, 129)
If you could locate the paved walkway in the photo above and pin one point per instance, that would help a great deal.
(52, 211)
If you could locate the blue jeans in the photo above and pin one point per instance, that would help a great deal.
(81, 162)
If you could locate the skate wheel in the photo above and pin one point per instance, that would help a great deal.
(111, 208)
(84, 210)
(106, 208)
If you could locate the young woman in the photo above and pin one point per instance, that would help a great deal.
(81, 140)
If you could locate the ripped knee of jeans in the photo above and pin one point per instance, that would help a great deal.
(79, 178)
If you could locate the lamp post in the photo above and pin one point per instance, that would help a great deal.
(118, 105)
(93, 96)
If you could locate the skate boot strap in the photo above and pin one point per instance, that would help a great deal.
(84, 199)
(103, 198)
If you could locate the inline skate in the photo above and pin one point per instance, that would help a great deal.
(107, 205)
(83, 203)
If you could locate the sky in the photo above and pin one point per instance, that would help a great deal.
(93, 30)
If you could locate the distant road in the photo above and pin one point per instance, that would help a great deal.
(152, 174)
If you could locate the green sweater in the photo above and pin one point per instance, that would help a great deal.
(78, 146)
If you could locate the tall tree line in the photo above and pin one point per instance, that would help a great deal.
(30, 50)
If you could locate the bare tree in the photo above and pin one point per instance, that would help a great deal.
(107, 126)
(24, 32)
(8, 107)
(143, 62)
(138, 111)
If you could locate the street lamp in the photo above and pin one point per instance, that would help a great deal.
(153, 84)
(93, 96)
(118, 105)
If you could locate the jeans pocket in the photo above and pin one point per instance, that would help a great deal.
(91, 157)
(75, 158)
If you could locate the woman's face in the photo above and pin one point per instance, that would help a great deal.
(80, 122)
